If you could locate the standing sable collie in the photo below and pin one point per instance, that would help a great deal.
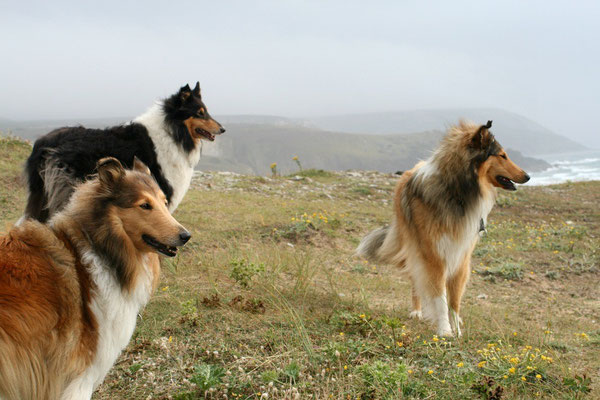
(167, 138)
(70, 292)
(441, 205)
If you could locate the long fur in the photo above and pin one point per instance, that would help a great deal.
(167, 138)
(440, 205)
(70, 291)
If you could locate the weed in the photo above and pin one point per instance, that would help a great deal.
(506, 271)
(382, 380)
(207, 377)
(242, 271)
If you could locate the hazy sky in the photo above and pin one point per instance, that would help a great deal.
(64, 59)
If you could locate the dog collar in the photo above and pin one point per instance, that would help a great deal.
(482, 229)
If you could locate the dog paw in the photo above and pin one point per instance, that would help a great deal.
(416, 314)
(445, 332)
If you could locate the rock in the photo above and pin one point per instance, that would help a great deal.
(482, 296)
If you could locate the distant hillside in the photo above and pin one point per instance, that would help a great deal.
(512, 130)
(254, 142)
(31, 130)
(251, 148)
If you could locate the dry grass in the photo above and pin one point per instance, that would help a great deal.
(267, 301)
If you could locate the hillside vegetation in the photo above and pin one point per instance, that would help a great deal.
(267, 300)
(251, 148)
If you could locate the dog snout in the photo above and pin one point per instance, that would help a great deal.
(525, 177)
(184, 236)
(222, 130)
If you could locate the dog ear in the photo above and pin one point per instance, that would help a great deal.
(481, 139)
(185, 92)
(110, 172)
(197, 90)
(139, 166)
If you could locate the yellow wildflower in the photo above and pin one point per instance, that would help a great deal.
(481, 364)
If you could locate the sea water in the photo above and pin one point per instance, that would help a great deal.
(581, 166)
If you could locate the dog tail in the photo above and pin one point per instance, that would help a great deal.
(50, 183)
(382, 245)
(369, 245)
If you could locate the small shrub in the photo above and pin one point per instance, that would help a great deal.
(506, 271)
(381, 380)
(291, 372)
(362, 190)
(315, 173)
(207, 376)
(578, 383)
(242, 271)
(269, 376)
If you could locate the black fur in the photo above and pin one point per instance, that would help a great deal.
(185, 104)
(79, 149)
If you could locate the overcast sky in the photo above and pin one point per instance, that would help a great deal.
(65, 59)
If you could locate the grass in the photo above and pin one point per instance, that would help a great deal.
(267, 301)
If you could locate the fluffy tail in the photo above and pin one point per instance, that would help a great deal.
(369, 245)
(382, 246)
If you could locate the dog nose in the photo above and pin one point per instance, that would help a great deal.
(184, 236)
(222, 130)
(526, 178)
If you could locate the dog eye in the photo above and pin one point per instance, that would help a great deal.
(146, 206)
(201, 112)
(503, 156)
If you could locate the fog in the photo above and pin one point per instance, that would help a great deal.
(66, 59)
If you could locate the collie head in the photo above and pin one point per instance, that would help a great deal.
(122, 215)
(487, 156)
(475, 148)
(468, 164)
(189, 120)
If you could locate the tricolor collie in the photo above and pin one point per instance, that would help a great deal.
(167, 138)
(70, 291)
(440, 207)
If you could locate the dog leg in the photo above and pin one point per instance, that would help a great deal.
(429, 284)
(456, 288)
(416, 303)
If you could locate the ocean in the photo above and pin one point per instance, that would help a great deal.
(581, 166)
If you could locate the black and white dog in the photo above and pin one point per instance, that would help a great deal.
(167, 138)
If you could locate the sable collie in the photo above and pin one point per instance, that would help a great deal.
(167, 138)
(441, 205)
(70, 291)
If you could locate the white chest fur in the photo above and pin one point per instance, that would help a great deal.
(453, 250)
(177, 165)
(116, 314)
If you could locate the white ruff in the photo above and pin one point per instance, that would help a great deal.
(177, 165)
(116, 313)
(454, 250)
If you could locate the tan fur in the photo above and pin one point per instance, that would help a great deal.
(209, 125)
(48, 332)
(438, 206)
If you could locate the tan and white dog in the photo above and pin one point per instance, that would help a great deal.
(440, 207)
(70, 291)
